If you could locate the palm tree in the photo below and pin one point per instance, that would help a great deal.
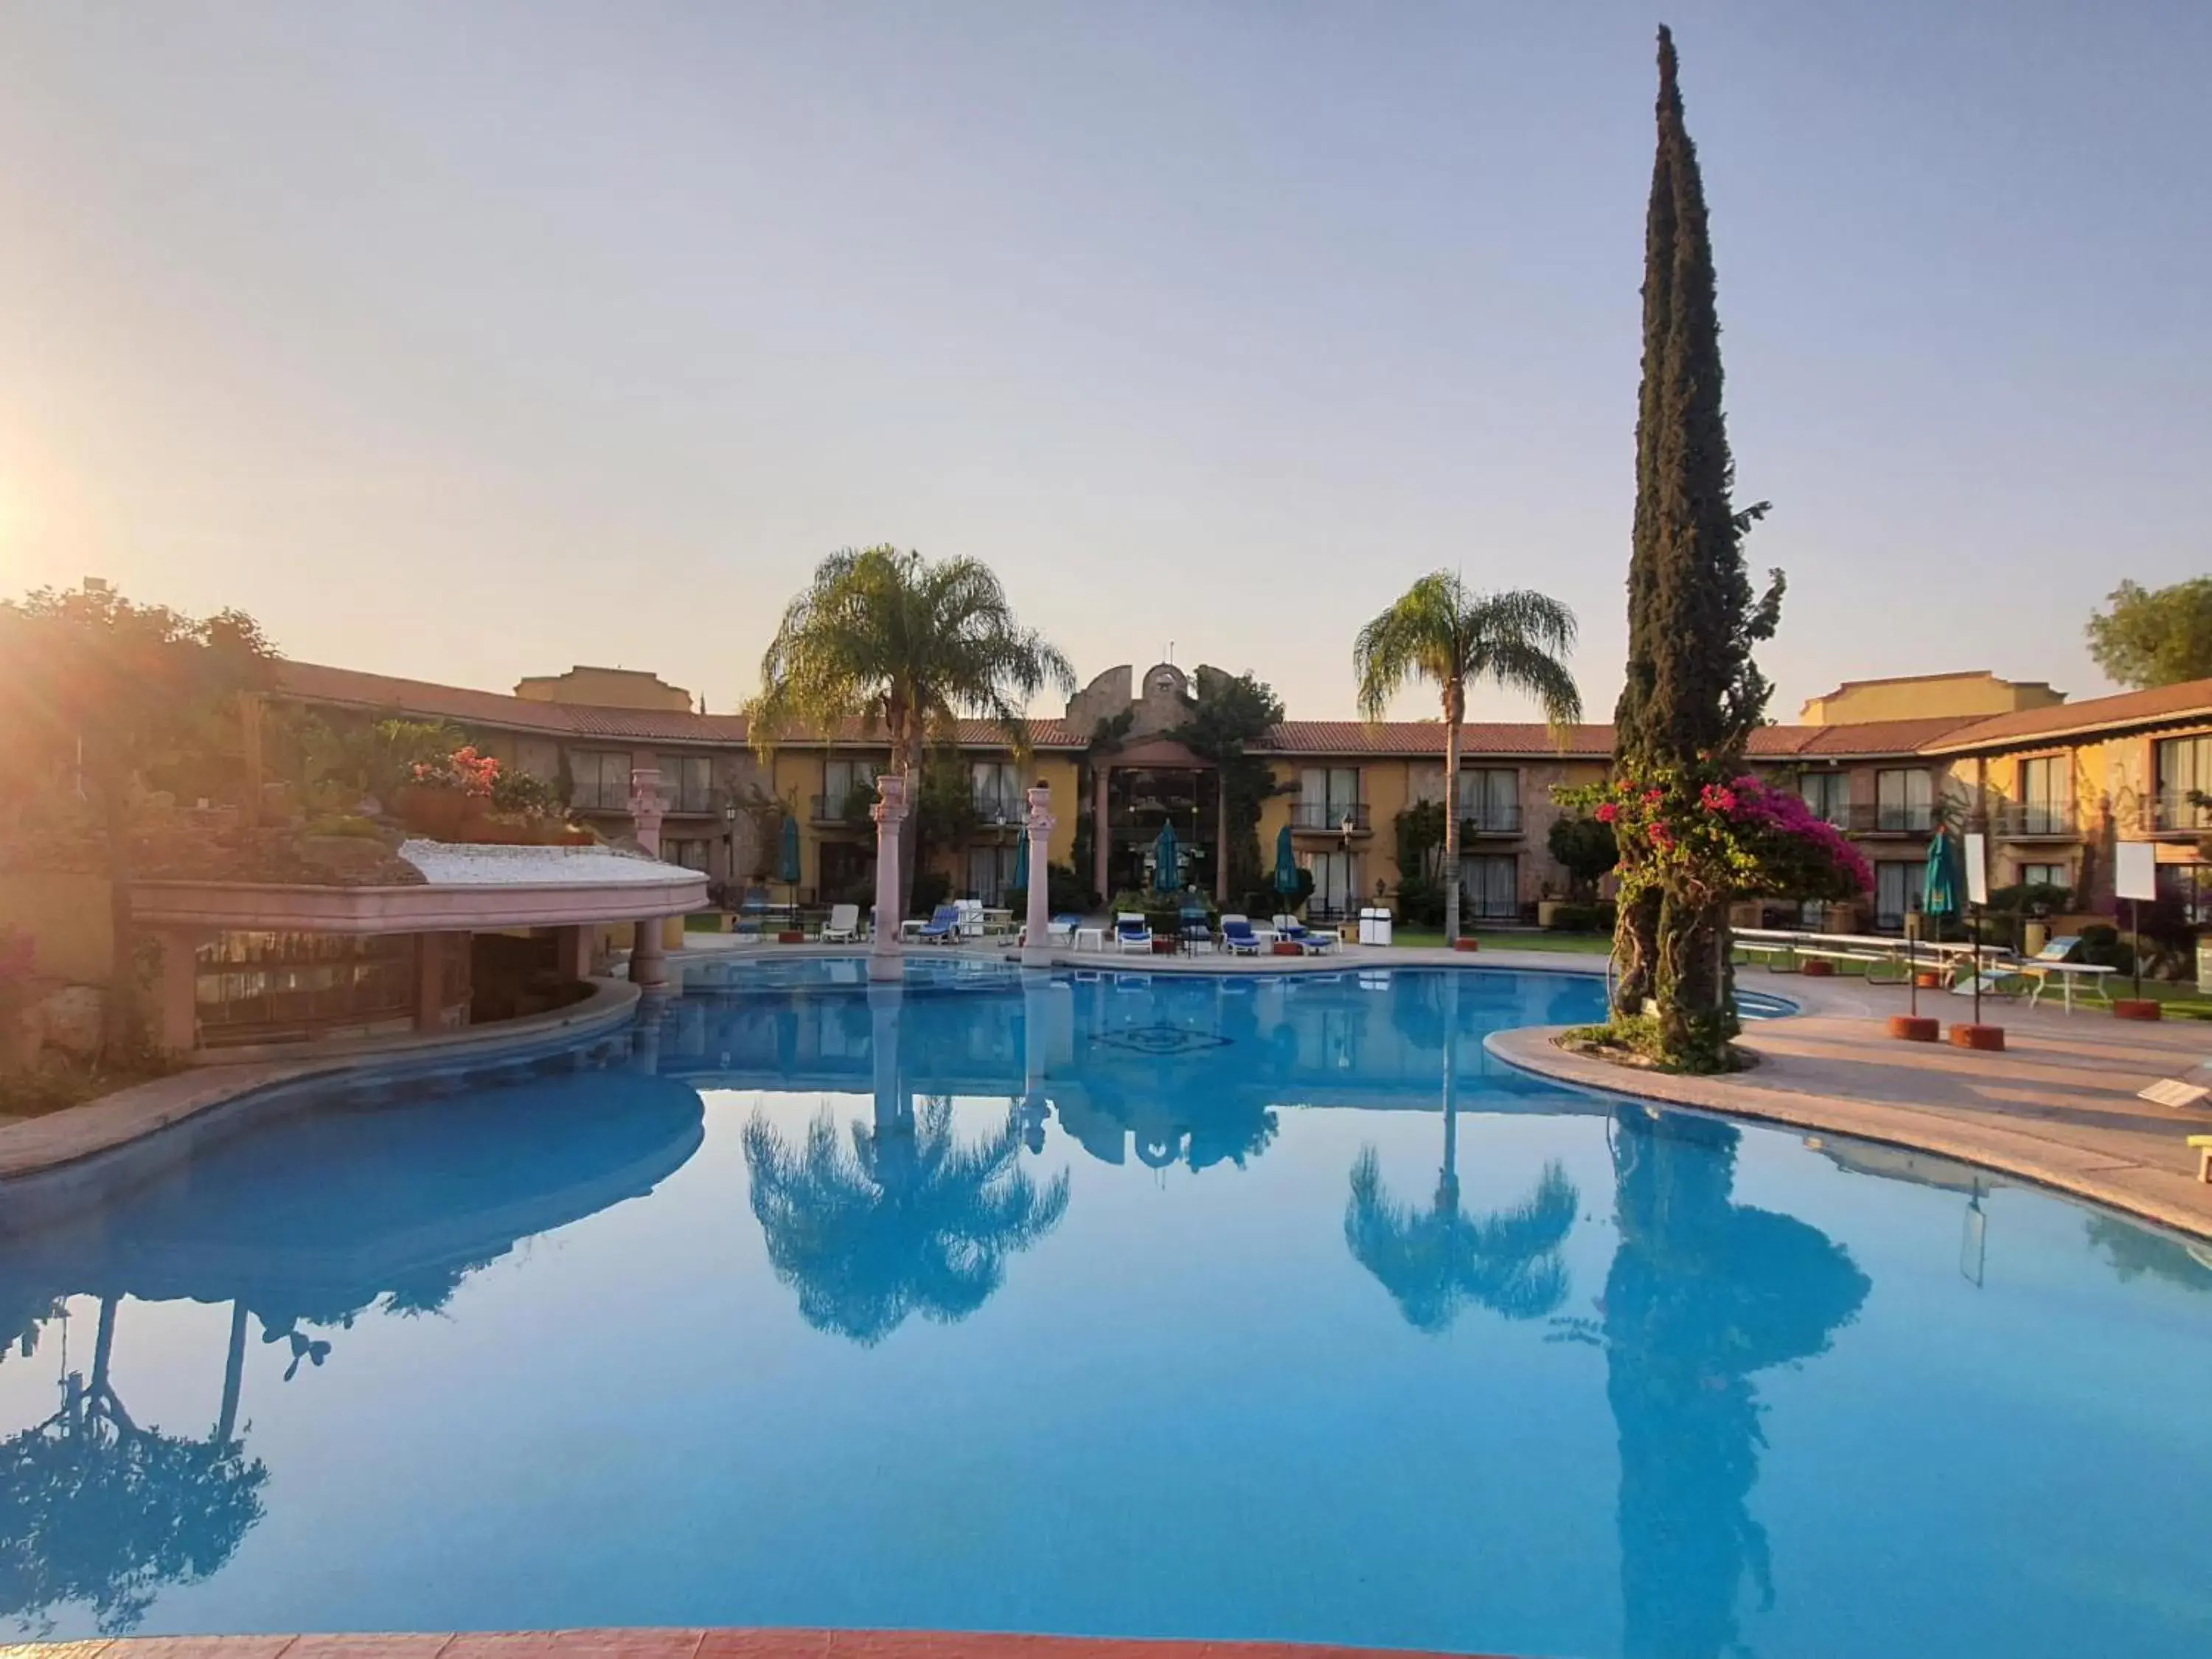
(906, 646)
(909, 1222)
(1444, 632)
(1433, 1261)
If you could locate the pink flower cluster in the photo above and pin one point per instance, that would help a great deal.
(463, 769)
(1785, 813)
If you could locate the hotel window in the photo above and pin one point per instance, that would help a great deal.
(1490, 886)
(602, 779)
(997, 786)
(690, 782)
(2043, 795)
(1897, 884)
(991, 872)
(848, 788)
(1490, 799)
(1904, 800)
(1336, 883)
(1827, 795)
(2184, 767)
(2046, 875)
(690, 852)
(1326, 796)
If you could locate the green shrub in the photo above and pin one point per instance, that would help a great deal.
(2103, 946)
(1420, 902)
(1597, 917)
(1066, 894)
(344, 823)
(527, 794)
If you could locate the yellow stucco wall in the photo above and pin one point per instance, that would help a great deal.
(1923, 696)
(605, 688)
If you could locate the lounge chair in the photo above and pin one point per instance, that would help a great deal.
(1310, 942)
(1237, 937)
(943, 926)
(1131, 932)
(971, 917)
(843, 926)
(1194, 932)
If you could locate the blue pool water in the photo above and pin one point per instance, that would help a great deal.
(1124, 1303)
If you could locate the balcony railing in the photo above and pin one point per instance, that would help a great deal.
(840, 809)
(2175, 815)
(2036, 820)
(1490, 818)
(1328, 817)
(1894, 820)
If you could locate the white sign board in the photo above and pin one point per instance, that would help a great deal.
(1977, 868)
(2134, 871)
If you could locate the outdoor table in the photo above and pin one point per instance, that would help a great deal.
(1091, 939)
(2068, 972)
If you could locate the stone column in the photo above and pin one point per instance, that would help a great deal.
(1099, 841)
(173, 1019)
(649, 959)
(1036, 947)
(889, 812)
(1036, 1015)
(883, 1002)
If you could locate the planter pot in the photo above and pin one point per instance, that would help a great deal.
(1911, 1029)
(1283, 947)
(2137, 1008)
(1467, 945)
(1547, 912)
(1988, 1038)
(437, 814)
(1842, 919)
(791, 936)
(1815, 969)
(1162, 947)
(1927, 981)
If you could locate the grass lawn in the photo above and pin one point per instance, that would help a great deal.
(1535, 939)
(703, 921)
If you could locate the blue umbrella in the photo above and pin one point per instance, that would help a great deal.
(1286, 864)
(787, 865)
(1167, 862)
(1940, 884)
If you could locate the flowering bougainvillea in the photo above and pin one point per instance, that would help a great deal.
(463, 769)
(1709, 836)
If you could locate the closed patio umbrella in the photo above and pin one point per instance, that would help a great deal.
(1022, 863)
(1940, 885)
(787, 870)
(1167, 862)
(1286, 865)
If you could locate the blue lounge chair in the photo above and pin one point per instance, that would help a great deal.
(1237, 937)
(1312, 943)
(1131, 932)
(943, 926)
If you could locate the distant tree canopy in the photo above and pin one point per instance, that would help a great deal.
(1229, 712)
(2151, 636)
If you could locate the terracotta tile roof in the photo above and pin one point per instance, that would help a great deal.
(423, 699)
(2191, 700)
(1862, 738)
(1420, 737)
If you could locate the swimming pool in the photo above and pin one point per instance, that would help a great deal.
(1121, 1303)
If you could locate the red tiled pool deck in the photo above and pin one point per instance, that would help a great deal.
(686, 1644)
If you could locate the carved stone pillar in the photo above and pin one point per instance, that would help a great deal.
(889, 812)
(1036, 944)
(649, 960)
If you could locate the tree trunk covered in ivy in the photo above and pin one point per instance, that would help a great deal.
(1691, 691)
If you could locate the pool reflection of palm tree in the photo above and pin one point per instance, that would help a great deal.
(1703, 1293)
(908, 1221)
(97, 1510)
(1436, 1260)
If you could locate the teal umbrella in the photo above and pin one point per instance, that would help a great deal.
(787, 864)
(1022, 864)
(1286, 864)
(1167, 862)
(1940, 885)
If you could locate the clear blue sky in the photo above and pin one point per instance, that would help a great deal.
(471, 341)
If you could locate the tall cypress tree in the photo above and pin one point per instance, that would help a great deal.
(1693, 691)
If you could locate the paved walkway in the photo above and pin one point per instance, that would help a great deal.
(682, 1645)
(2058, 1107)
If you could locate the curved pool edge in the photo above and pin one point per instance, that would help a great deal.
(133, 1120)
(2129, 1189)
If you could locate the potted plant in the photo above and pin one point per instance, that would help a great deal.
(448, 797)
